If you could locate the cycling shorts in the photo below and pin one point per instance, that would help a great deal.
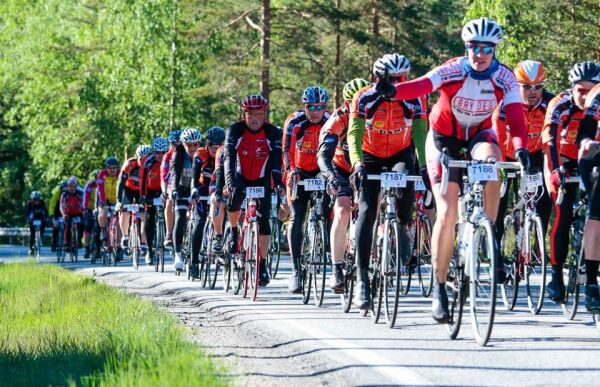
(264, 210)
(344, 180)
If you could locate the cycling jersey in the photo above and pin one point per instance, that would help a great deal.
(534, 120)
(333, 140)
(54, 205)
(466, 104)
(130, 174)
(218, 176)
(106, 188)
(591, 116)
(204, 168)
(71, 203)
(89, 199)
(150, 176)
(165, 165)
(252, 154)
(181, 172)
(301, 141)
(561, 127)
(36, 211)
(381, 127)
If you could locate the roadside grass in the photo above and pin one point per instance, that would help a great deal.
(58, 328)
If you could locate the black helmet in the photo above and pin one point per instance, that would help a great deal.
(585, 71)
(111, 161)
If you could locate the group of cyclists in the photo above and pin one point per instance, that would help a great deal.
(484, 111)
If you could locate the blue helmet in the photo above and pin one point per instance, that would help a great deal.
(314, 94)
(215, 135)
(174, 135)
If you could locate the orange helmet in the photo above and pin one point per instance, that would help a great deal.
(530, 72)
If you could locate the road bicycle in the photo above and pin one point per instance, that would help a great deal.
(60, 242)
(158, 245)
(522, 246)
(274, 254)
(349, 263)
(134, 234)
(422, 242)
(72, 225)
(472, 271)
(37, 246)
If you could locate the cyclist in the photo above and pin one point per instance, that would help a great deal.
(561, 127)
(334, 162)
(128, 190)
(71, 204)
(252, 157)
(299, 144)
(106, 188)
(530, 76)
(204, 174)
(380, 136)
(150, 189)
(217, 202)
(589, 157)
(89, 203)
(36, 210)
(54, 208)
(470, 89)
(164, 184)
(181, 184)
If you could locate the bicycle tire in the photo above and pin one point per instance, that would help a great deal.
(239, 280)
(38, 244)
(320, 262)
(424, 264)
(535, 268)
(376, 289)
(134, 246)
(482, 285)
(392, 271)
(456, 288)
(510, 256)
(349, 280)
(226, 273)
(306, 280)
(255, 254)
(573, 286)
(275, 253)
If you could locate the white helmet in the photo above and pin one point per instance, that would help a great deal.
(395, 64)
(143, 151)
(482, 30)
(190, 135)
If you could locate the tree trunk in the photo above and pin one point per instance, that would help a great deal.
(265, 88)
(375, 46)
(337, 95)
(173, 70)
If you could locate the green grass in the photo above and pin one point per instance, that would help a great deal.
(59, 328)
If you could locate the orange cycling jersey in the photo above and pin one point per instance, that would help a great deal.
(150, 175)
(388, 123)
(300, 141)
(131, 170)
(561, 127)
(534, 120)
(337, 125)
(206, 171)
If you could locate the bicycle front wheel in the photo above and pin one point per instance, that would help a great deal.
(319, 260)
(510, 255)
(572, 290)
(535, 265)
(483, 282)
(255, 255)
(456, 287)
(134, 246)
(392, 271)
(275, 248)
(424, 264)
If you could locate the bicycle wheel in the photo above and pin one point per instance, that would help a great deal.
(483, 282)
(226, 273)
(134, 246)
(535, 268)
(255, 254)
(275, 248)
(392, 271)
(319, 262)
(38, 244)
(306, 278)
(572, 289)
(424, 264)
(456, 287)
(240, 277)
(349, 279)
(510, 255)
(206, 257)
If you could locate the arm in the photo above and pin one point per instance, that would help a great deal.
(515, 118)
(275, 156)
(88, 193)
(356, 131)
(230, 155)
(288, 144)
(121, 183)
(551, 135)
(415, 88)
(164, 171)
(419, 134)
(499, 125)
(174, 178)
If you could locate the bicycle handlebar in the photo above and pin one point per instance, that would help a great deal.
(560, 195)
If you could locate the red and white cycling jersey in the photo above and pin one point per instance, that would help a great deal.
(466, 105)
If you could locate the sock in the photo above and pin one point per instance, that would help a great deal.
(591, 271)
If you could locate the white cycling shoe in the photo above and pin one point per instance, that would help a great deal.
(178, 263)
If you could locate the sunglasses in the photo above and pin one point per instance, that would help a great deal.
(192, 144)
(539, 86)
(215, 146)
(477, 49)
(313, 108)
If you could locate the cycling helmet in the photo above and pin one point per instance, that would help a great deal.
(36, 195)
(160, 144)
(585, 71)
(254, 102)
(72, 180)
(352, 87)
(395, 64)
(530, 72)
(190, 135)
(111, 161)
(482, 30)
(314, 94)
(174, 135)
(143, 151)
(215, 135)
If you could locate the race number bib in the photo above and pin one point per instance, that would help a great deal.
(76, 220)
(420, 186)
(482, 172)
(393, 180)
(534, 181)
(255, 192)
(157, 201)
(314, 184)
(37, 222)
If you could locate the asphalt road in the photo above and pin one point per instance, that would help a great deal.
(278, 340)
